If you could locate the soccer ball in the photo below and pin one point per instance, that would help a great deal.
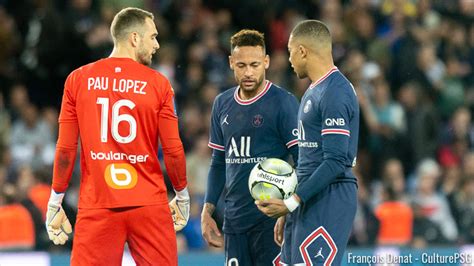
(272, 179)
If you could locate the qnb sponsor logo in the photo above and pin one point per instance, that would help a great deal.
(252, 160)
(330, 122)
(271, 178)
(119, 156)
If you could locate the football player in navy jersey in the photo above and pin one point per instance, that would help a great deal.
(322, 210)
(250, 122)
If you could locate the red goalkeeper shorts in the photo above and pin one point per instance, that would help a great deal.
(100, 236)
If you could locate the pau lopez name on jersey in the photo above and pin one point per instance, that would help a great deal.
(118, 85)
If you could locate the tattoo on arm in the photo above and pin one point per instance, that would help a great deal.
(65, 163)
(209, 208)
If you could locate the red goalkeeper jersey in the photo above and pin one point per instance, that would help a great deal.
(122, 109)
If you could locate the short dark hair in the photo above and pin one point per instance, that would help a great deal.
(313, 29)
(247, 37)
(127, 20)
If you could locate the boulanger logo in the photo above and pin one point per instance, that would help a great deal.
(116, 156)
(120, 176)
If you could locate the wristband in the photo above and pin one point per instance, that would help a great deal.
(56, 198)
(291, 203)
(183, 194)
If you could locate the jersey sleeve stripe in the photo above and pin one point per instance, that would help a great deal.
(215, 146)
(336, 131)
(291, 143)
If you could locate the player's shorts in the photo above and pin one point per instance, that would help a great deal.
(316, 233)
(100, 236)
(255, 247)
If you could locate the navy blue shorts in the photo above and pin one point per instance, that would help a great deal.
(316, 233)
(255, 247)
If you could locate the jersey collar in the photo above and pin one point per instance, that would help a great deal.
(254, 99)
(321, 79)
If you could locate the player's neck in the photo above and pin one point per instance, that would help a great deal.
(123, 52)
(319, 68)
(247, 95)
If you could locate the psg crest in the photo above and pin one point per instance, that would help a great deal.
(257, 120)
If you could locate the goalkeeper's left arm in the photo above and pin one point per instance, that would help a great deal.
(175, 162)
(57, 224)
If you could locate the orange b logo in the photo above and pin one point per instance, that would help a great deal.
(120, 176)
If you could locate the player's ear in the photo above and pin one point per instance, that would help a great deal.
(302, 51)
(231, 62)
(134, 39)
(267, 61)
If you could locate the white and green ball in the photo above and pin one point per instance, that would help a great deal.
(272, 179)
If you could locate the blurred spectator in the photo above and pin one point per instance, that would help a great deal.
(430, 68)
(17, 231)
(81, 15)
(278, 70)
(386, 121)
(9, 43)
(197, 166)
(51, 116)
(98, 38)
(432, 204)
(458, 140)
(464, 209)
(421, 138)
(31, 138)
(394, 177)
(451, 91)
(208, 93)
(33, 199)
(191, 121)
(19, 100)
(406, 7)
(44, 59)
(395, 217)
(366, 225)
(425, 231)
(4, 126)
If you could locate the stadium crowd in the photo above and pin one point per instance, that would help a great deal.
(410, 61)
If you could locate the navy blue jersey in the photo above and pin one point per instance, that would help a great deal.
(249, 131)
(328, 130)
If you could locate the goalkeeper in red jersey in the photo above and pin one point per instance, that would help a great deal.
(120, 109)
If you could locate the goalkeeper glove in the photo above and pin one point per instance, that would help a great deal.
(180, 209)
(57, 224)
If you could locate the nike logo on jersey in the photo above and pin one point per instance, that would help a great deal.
(224, 121)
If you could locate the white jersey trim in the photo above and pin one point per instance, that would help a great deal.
(321, 79)
(254, 99)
